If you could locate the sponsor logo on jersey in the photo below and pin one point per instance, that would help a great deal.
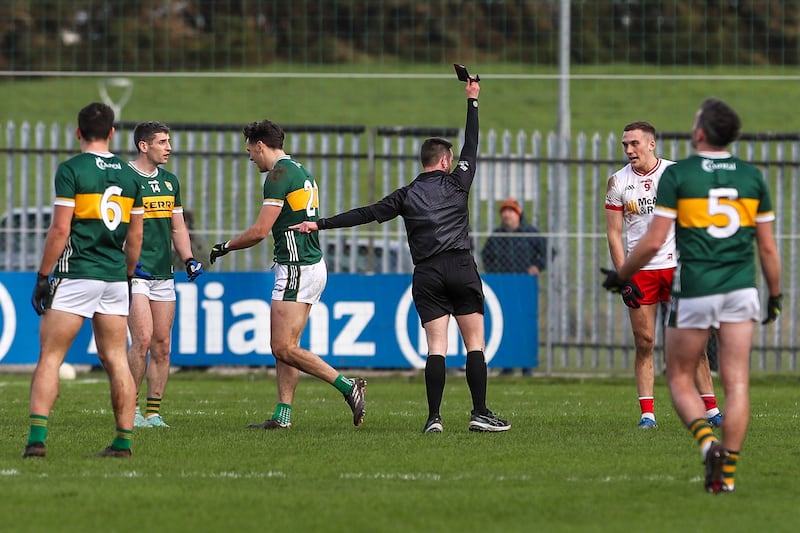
(102, 164)
(463, 165)
(152, 204)
(709, 165)
(641, 206)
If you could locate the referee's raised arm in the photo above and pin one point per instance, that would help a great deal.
(465, 169)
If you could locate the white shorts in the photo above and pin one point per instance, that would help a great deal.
(706, 312)
(300, 283)
(158, 290)
(85, 297)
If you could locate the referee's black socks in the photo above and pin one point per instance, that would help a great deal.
(476, 380)
(435, 375)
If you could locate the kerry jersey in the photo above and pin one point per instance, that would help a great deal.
(104, 193)
(161, 196)
(635, 195)
(716, 200)
(292, 188)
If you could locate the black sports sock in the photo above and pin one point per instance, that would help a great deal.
(476, 380)
(435, 375)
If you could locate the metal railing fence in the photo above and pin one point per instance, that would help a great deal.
(583, 329)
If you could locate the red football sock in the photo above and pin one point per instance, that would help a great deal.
(710, 400)
(646, 404)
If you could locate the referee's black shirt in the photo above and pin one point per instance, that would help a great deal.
(434, 206)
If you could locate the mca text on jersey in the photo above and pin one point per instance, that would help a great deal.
(102, 164)
(711, 166)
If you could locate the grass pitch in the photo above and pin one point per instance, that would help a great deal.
(573, 461)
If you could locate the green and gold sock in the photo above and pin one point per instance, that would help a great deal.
(123, 439)
(153, 407)
(703, 433)
(38, 430)
(283, 413)
(343, 384)
(729, 469)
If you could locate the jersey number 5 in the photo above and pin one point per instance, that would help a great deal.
(715, 207)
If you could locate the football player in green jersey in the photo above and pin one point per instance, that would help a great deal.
(290, 196)
(719, 205)
(91, 249)
(153, 286)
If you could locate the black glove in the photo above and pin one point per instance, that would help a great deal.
(193, 268)
(218, 250)
(774, 305)
(130, 291)
(631, 293)
(140, 272)
(41, 294)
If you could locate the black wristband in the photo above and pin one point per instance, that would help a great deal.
(186, 263)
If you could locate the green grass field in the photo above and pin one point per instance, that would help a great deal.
(573, 461)
(428, 95)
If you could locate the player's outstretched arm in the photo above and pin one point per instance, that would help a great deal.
(306, 226)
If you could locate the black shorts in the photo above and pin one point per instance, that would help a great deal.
(447, 284)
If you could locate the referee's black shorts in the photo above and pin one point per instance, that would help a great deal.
(447, 284)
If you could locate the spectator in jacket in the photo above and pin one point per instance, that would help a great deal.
(516, 245)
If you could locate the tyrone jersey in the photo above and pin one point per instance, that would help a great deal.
(635, 195)
(716, 200)
(290, 186)
(161, 196)
(104, 193)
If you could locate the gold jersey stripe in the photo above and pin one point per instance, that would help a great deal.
(157, 214)
(694, 212)
(87, 206)
(299, 199)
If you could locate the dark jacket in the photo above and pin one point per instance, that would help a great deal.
(434, 206)
(513, 251)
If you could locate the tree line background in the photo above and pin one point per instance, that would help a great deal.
(151, 35)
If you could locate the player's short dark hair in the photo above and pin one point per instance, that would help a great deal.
(95, 121)
(719, 121)
(265, 131)
(433, 149)
(146, 131)
(642, 125)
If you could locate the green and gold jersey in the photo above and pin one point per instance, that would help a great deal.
(716, 200)
(290, 186)
(104, 192)
(161, 196)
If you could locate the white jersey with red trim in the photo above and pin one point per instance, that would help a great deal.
(635, 195)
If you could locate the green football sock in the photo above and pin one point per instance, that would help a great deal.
(343, 384)
(123, 439)
(38, 431)
(283, 413)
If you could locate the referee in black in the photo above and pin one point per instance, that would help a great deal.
(435, 210)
